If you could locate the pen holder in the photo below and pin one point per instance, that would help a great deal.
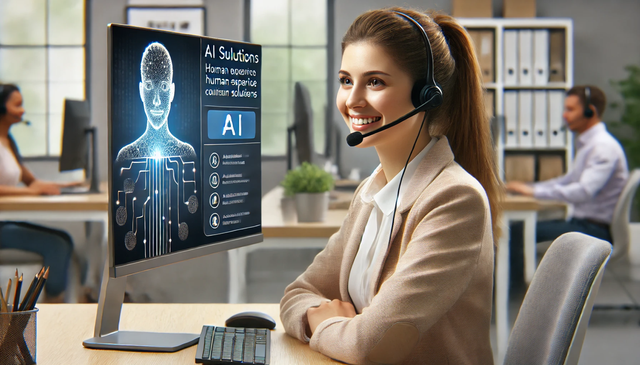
(18, 337)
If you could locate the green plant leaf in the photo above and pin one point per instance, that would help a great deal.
(307, 178)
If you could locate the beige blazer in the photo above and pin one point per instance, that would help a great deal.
(433, 288)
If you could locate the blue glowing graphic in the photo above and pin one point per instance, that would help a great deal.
(160, 170)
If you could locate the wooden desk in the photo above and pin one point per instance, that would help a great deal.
(61, 328)
(80, 207)
(67, 208)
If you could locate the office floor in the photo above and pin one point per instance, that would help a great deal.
(613, 336)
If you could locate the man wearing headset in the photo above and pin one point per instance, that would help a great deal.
(597, 176)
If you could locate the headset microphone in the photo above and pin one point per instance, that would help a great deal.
(355, 138)
(25, 122)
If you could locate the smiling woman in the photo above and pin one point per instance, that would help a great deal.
(408, 278)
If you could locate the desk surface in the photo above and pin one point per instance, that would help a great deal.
(65, 202)
(62, 328)
(273, 224)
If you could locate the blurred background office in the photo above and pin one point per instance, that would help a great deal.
(57, 49)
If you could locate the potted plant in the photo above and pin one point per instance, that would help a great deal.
(310, 185)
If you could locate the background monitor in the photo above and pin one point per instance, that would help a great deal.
(78, 141)
(184, 162)
(302, 127)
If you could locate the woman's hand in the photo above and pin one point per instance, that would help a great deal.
(334, 308)
(44, 188)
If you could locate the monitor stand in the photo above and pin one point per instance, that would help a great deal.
(107, 335)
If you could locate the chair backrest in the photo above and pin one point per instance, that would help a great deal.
(14, 256)
(552, 322)
(620, 221)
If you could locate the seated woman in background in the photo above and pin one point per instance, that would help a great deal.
(408, 278)
(53, 245)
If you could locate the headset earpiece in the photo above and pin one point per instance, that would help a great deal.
(425, 94)
(421, 93)
(588, 112)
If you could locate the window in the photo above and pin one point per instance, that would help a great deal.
(42, 50)
(293, 35)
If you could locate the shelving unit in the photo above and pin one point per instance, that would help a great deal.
(500, 82)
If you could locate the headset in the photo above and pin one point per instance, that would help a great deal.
(588, 112)
(425, 94)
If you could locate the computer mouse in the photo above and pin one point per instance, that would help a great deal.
(251, 320)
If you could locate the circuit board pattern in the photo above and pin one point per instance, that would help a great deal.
(156, 194)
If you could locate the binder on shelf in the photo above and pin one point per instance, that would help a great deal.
(540, 56)
(556, 124)
(525, 113)
(519, 167)
(510, 57)
(540, 134)
(525, 57)
(483, 41)
(557, 55)
(510, 118)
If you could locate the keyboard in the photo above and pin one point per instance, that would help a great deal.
(74, 190)
(231, 345)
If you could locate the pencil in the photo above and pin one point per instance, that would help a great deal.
(29, 292)
(3, 303)
(37, 291)
(7, 297)
(16, 297)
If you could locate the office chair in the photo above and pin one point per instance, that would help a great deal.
(14, 256)
(552, 322)
(620, 221)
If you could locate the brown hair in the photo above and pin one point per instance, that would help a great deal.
(597, 97)
(461, 117)
(5, 91)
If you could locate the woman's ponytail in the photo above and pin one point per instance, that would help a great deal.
(468, 126)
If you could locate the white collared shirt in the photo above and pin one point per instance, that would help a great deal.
(375, 239)
(596, 179)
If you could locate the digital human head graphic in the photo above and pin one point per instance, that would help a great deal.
(157, 91)
(156, 88)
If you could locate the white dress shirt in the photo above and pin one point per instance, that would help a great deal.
(596, 179)
(375, 239)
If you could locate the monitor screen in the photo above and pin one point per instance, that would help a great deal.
(76, 120)
(184, 147)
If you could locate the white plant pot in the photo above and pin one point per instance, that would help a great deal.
(288, 208)
(312, 207)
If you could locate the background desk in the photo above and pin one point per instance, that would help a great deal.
(68, 208)
(61, 328)
(291, 236)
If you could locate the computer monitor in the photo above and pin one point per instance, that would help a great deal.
(302, 127)
(78, 141)
(184, 162)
